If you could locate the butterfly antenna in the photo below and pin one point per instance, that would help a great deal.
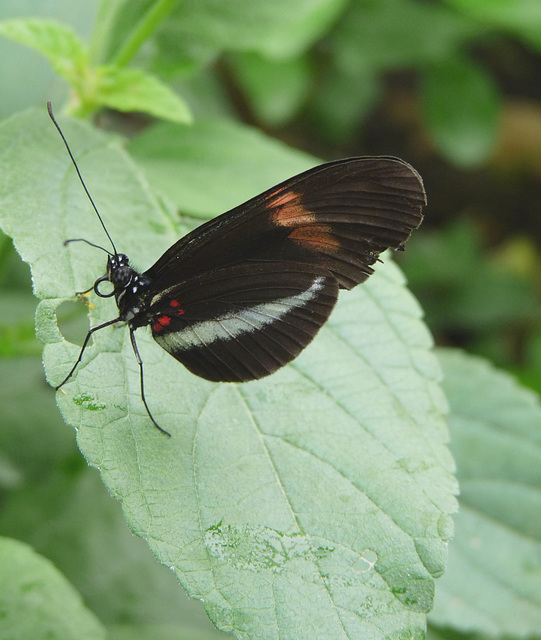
(51, 115)
(96, 246)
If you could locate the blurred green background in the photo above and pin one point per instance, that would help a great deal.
(451, 86)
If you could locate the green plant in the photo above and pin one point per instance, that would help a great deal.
(313, 504)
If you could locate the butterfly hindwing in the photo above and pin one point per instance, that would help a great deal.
(243, 322)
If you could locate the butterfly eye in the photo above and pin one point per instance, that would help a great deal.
(121, 276)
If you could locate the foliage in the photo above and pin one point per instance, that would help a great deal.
(37, 601)
(238, 522)
(316, 503)
(492, 583)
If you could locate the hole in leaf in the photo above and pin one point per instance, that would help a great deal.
(73, 321)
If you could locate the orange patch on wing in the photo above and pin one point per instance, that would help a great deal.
(287, 210)
(281, 197)
(318, 237)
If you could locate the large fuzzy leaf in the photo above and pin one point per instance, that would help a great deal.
(37, 601)
(493, 583)
(313, 504)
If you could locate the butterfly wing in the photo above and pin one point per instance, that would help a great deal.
(242, 295)
(340, 215)
(243, 322)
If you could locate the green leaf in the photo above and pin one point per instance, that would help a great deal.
(445, 634)
(278, 29)
(17, 336)
(163, 632)
(57, 42)
(493, 582)
(37, 602)
(461, 107)
(520, 17)
(107, 34)
(375, 36)
(515, 14)
(312, 504)
(68, 517)
(136, 90)
(116, 23)
(276, 90)
(28, 405)
(207, 95)
(143, 29)
(460, 289)
(342, 101)
(110, 86)
(214, 165)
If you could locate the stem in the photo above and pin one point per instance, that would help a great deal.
(105, 21)
(143, 30)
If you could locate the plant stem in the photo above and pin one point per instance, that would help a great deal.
(143, 30)
(105, 20)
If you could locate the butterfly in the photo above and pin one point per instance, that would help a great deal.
(242, 295)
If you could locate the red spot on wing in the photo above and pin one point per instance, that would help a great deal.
(161, 322)
(175, 304)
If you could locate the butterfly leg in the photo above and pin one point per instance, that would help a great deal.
(140, 363)
(85, 343)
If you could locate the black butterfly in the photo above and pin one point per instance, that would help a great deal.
(243, 294)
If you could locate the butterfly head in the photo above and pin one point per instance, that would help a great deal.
(119, 271)
(119, 274)
(128, 285)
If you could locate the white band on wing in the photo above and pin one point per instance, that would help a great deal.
(235, 323)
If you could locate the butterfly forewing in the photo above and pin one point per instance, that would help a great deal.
(246, 321)
(341, 215)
